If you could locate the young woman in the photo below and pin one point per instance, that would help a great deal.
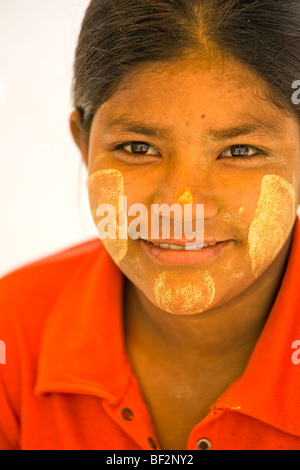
(158, 342)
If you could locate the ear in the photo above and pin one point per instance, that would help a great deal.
(80, 136)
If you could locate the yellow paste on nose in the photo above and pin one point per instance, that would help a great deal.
(273, 220)
(186, 197)
(186, 297)
(105, 187)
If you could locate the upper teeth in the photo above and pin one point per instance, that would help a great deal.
(186, 247)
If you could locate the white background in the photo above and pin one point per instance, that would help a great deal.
(43, 195)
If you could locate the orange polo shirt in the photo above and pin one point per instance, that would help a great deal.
(67, 382)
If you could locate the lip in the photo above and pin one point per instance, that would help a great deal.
(166, 256)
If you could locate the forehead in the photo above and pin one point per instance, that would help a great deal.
(189, 92)
(195, 79)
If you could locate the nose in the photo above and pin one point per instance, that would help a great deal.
(186, 197)
(192, 186)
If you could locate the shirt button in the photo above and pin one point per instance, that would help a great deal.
(204, 444)
(127, 414)
(152, 443)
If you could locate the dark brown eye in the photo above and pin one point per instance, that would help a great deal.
(139, 147)
(240, 151)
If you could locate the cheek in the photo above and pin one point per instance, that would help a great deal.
(185, 297)
(106, 187)
(272, 223)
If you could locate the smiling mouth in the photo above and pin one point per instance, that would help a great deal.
(184, 254)
(187, 247)
(179, 245)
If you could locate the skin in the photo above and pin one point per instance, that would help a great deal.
(106, 187)
(186, 197)
(272, 220)
(190, 329)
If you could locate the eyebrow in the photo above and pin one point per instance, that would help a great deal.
(255, 126)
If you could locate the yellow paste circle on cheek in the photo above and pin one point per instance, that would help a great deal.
(273, 220)
(106, 187)
(186, 297)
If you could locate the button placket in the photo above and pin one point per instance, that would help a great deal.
(134, 422)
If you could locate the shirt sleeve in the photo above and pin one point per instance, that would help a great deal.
(9, 368)
(9, 428)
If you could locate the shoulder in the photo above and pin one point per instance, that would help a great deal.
(47, 274)
(29, 293)
(27, 296)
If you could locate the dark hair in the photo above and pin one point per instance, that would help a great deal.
(118, 35)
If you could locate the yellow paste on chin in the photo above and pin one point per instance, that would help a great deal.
(272, 223)
(186, 297)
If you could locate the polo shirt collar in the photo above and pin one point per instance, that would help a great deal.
(80, 355)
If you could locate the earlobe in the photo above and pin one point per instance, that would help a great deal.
(80, 136)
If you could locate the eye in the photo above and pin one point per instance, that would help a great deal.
(241, 152)
(139, 150)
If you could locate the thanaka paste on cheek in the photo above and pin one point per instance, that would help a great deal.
(185, 298)
(106, 187)
(273, 221)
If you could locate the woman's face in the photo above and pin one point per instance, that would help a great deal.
(218, 142)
